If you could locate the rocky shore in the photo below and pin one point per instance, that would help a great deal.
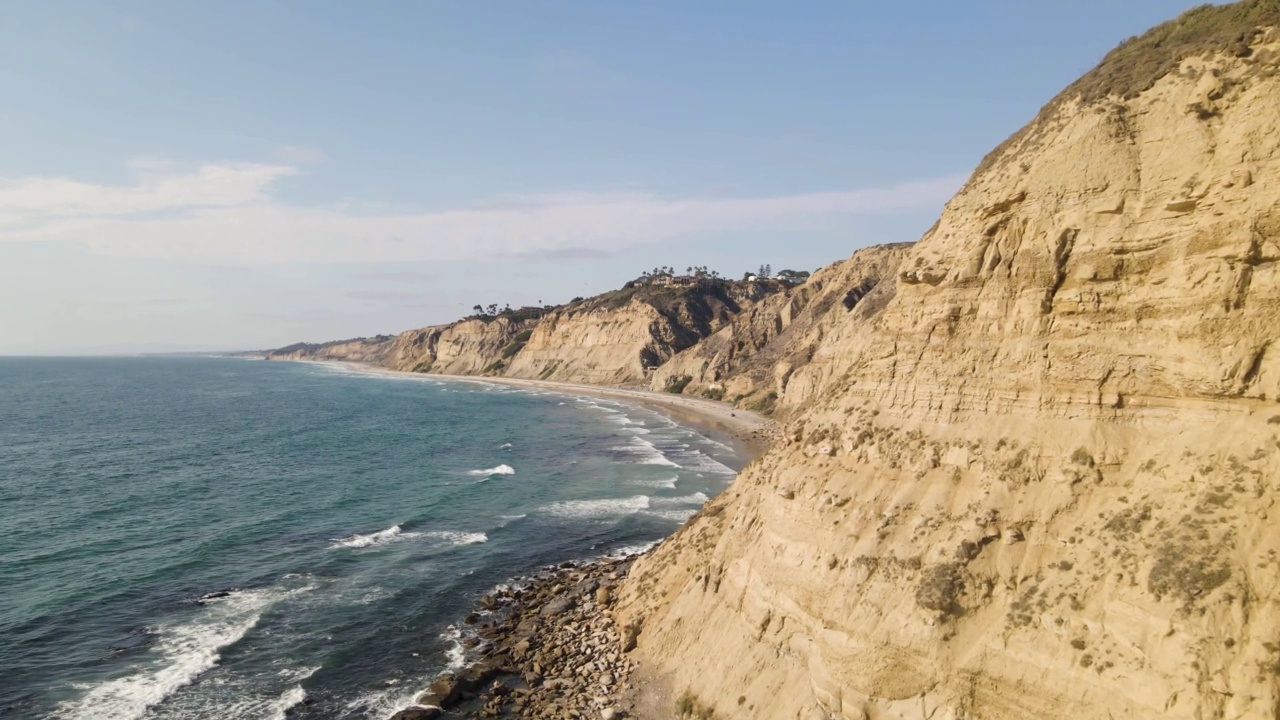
(546, 648)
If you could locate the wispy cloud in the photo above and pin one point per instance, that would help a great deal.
(40, 201)
(411, 277)
(221, 214)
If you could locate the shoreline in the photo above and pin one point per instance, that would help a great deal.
(546, 646)
(749, 433)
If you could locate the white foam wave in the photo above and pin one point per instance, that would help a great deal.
(298, 674)
(674, 515)
(697, 498)
(379, 705)
(700, 462)
(668, 483)
(456, 654)
(599, 508)
(382, 537)
(629, 550)
(504, 446)
(459, 538)
(490, 472)
(183, 653)
(646, 451)
(292, 697)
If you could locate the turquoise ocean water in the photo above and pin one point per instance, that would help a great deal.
(223, 538)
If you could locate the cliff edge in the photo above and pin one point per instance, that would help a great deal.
(1035, 478)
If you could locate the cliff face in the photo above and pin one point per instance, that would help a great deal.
(467, 347)
(1035, 479)
(367, 350)
(616, 338)
(752, 360)
(602, 342)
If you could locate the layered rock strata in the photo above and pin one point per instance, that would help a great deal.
(752, 360)
(613, 339)
(1035, 481)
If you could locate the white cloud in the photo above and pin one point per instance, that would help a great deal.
(225, 214)
(41, 200)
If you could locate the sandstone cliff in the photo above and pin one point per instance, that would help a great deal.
(615, 338)
(751, 360)
(371, 350)
(1035, 480)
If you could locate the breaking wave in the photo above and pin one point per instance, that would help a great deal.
(490, 472)
(646, 452)
(629, 550)
(667, 483)
(185, 652)
(459, 538)
(382, 537)
(599, 508)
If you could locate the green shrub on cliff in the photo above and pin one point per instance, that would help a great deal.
(677, 383)
(689, 706)
(517, 343)
(1141, 61)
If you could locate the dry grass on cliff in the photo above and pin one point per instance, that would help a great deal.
(1141, 61)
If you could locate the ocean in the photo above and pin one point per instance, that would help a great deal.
(223, 538)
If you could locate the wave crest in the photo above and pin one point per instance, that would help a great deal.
(490, 472)
(459, 538)
(599, 508)
(382, 537)
(185, 652)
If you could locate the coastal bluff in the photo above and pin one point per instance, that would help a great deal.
(1027, 464)
(1036, 478)
(617, 338)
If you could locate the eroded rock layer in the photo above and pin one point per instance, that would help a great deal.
(612, 339)
(1036, 479)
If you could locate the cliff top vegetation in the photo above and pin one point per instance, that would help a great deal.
(1141, 61)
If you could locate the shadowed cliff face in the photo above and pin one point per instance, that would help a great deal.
(752, 360)
(1035, 477)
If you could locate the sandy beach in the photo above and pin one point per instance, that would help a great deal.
(749, 432)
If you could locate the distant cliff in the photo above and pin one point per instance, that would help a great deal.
(619, 337)
(753, 360)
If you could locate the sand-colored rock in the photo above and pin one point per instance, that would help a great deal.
(614, 339)
(600, 344)
(1037, 481)
(752, 360)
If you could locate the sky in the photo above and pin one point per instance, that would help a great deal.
(183, 176)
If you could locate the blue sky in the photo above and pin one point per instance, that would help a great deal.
(248, 174)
